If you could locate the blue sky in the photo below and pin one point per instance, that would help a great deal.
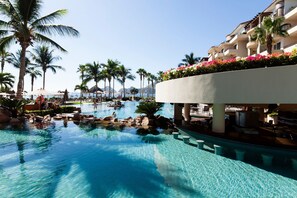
(150, 34)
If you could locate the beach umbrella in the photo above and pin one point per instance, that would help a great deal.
(41, 92)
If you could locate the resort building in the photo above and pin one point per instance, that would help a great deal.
(240, 43)
(253, 88)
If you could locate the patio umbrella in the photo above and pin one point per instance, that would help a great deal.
(41, 92)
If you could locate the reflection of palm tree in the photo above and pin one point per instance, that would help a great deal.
(123, 74)
(20, 145)
(25, 26)
(44, 58)
(270, 27)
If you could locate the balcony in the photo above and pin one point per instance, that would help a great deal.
(252, 45)
(219, 55)
(231, 52)
(292, 15)
(293, 31)
(239, 37)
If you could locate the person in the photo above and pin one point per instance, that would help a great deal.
(95, 104)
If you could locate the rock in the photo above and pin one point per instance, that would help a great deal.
(76, 116)
(15, 122)
(108, 118)
(4, 117)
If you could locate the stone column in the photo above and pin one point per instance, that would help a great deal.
(218, 120)
(178, 115)
(187, 112)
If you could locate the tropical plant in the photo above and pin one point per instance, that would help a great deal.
(123, 75)
(82, 69)
(190, 59)
(25, 26)
(148, 76)
(6, 81)
(82, 87)
(93, 73)
(14, 106)
(133, 91)
(160, 76)
(141, 72)
(33, 73)
(270, 27)
(153, 80)
(148, 108)
(4, 55)
(15, 60)
(44, 58)
(111, 68)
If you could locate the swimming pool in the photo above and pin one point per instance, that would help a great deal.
(81, 161)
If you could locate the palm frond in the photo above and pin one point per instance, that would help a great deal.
(5, 42)
(43, 39)
(29, 9)
(61, 30)
(50, 18)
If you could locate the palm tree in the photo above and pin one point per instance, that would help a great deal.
(153, 79)
(25, 26)
(148, 76)
(270, 27)
(81, 69)
(44, 58)
(123, 75)
(93, 73)
(111, 72)
(104, 75)
(82, 87)
(141, 73)
(6, 81)
(160, 76)
(34, 73)
(190, 59)
(4, 55)
(15, 60)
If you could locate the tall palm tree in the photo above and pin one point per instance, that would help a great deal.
(153, 80)
(148, 77)
(190, 59)
(141, 73)
(6, 81)
(124, 74)
(270, 27)
(111, 71)
(44, 58)
(105, 76)
(34, 73)
(81, 69)
(4, 56)
(93, 73)
(25, 27)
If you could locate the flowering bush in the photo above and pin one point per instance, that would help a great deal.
(250, 62)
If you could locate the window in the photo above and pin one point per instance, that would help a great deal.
(277, 46)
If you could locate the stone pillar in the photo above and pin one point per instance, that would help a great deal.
(178, 115)
(218, 120)
(187, 112)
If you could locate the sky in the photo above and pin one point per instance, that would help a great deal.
(150, 34)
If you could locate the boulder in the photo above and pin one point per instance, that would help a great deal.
(76, 116)
(108, 118)
(15, 122)
(4, 117)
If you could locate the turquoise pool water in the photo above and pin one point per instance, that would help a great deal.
(80, 161)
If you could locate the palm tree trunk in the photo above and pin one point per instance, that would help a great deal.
(113, 88)
(148, 88)
(104, 87)
(109, 88)
(140, 85)
(143, 79)
(43, 80)
(32, 84)
(96, 89)
(269, 44)
(124, 89)
(20, 87)
(2, 64)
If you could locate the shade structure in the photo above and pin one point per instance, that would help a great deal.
(95, 90)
